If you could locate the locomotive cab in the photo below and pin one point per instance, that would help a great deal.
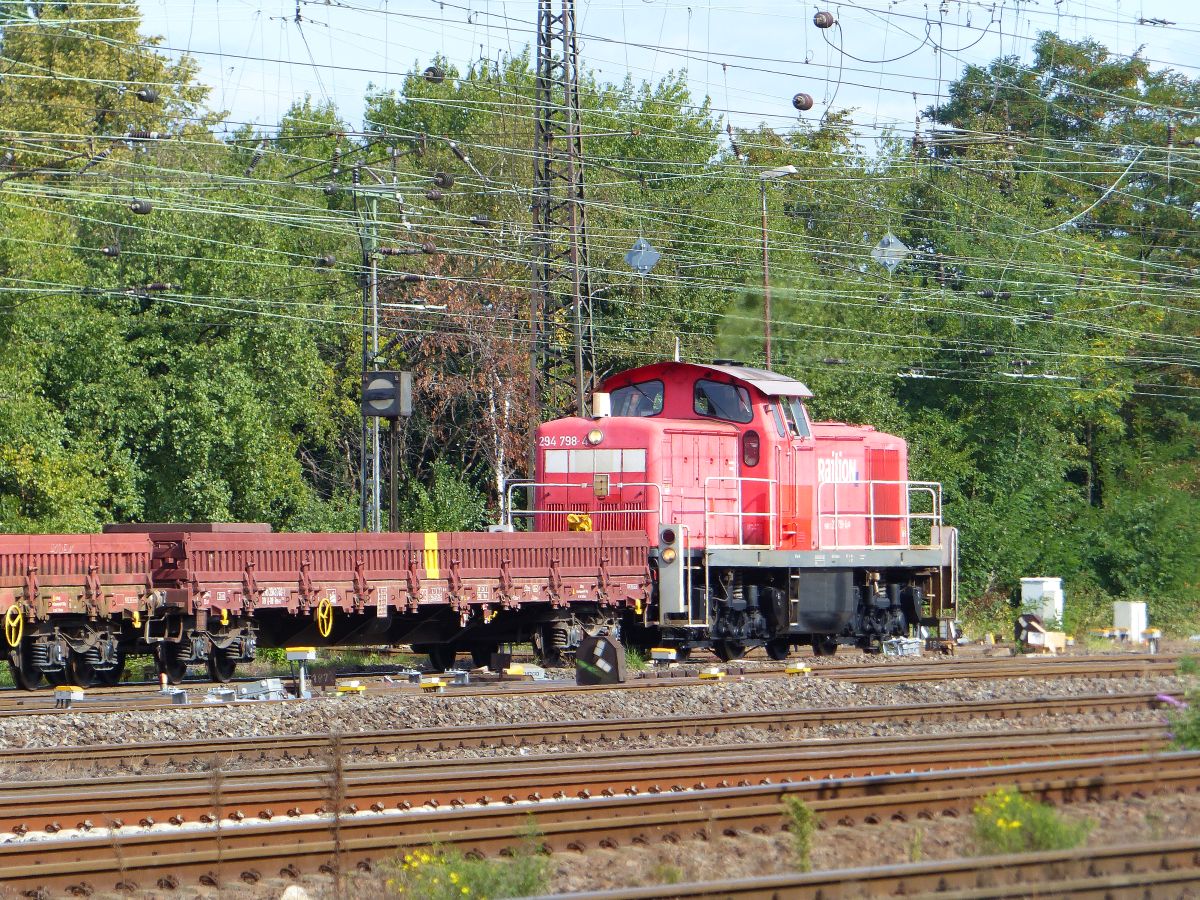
(764, 527)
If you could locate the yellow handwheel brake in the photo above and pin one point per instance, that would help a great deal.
(325, 617)
(14, 625)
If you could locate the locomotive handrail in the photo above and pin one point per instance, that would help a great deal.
(509, 511)
(740, 514)
(871, 518)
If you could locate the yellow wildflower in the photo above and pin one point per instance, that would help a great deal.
(466, 890)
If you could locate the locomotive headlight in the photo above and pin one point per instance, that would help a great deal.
(595, 436)
(668, 555)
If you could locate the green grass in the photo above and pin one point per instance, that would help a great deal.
(665, 873)
(802, 824)
(1185, 723)
(1188, 665)
(437, 874)
(634, 660)
(1006, 821)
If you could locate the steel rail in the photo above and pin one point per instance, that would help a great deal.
(578, 733)
(270, 793)
(1158, 869)
(171, 859)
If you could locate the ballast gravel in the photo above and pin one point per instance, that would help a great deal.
(404, 711)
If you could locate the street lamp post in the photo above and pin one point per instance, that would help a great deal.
(763, 178)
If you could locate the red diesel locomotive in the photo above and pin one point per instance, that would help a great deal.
(765, 528)
(699, 507)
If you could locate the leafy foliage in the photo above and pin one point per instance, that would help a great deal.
(1006, 821)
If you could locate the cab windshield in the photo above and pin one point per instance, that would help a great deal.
(642, 399)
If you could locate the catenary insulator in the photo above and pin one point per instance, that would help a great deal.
(328, 261)
(1170, 134)
(481, 220)
(147, 94)
(824, 19)
(144, 135)
(429, 247)
(158, 286)
(434, 75)
(141, 207)
(433, 195)
(111, 251)
(802, 102)
(443, 179)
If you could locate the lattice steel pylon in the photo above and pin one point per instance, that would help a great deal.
(560, 310)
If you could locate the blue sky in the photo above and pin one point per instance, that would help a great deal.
(749, 56)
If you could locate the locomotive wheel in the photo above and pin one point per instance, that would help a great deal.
(727, 651)
(25, 676)
(221, 666)
(778, 649)
(824, 646)
(169, 663)
(441, 656)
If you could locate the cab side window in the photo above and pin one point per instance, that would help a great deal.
(642, 399)
(796, 419)
(718, 400)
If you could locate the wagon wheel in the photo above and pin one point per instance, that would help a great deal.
(727, 650)
(481, 654)
(441, 656)
(169, 664)
(26, 676)
(778, 649)
(81, 670)
(114, 675)
(221, 666)
(823, 645)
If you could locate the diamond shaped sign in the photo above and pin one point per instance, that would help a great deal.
(890, 252)
(642, 257)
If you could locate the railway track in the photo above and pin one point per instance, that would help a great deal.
(144, 696)
(577, 733)
(179, 857)
(269, 793)
(1157, 869)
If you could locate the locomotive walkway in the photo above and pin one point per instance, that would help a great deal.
(174, 858)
